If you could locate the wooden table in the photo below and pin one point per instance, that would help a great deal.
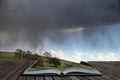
(12, 70)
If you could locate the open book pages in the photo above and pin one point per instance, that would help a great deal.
(81, 71)
(67, 71)
(47, 71)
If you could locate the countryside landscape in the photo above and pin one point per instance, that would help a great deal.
(43, 61)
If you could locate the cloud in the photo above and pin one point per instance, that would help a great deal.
(38, 50)
(45, 18)
(57, 53)
(105, 57)
(80, 56)
(72, 30)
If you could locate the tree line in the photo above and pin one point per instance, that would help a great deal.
(28, 55)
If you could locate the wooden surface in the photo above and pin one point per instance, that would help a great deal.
(11, 70)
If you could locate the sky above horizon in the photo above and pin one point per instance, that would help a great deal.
(75, 30)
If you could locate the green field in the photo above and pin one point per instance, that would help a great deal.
(64, 63)
(6, 55)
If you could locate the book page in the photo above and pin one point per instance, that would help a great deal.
(47, 71)
(81, 71)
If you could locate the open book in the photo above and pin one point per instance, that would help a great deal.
(67, 72)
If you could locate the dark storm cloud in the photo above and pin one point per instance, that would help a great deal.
(36, 19)
(57, 14)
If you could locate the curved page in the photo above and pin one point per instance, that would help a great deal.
(81, 71)
(50, 71)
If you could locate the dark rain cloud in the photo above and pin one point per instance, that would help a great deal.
(37, 19)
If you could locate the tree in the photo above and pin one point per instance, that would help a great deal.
(47, 54)
(28, 55)
(28, 52)
(55, 61)
(19, 53)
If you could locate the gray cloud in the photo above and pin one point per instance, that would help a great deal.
(37, 19)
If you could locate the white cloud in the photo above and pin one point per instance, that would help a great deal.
(81, 56)
(105, 57)
(72, 30)
(57, 53)
(77, 57)
(38, 50)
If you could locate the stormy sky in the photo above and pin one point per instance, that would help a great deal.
(68, 25)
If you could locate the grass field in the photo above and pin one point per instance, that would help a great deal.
(6, 55)
(64, 63)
